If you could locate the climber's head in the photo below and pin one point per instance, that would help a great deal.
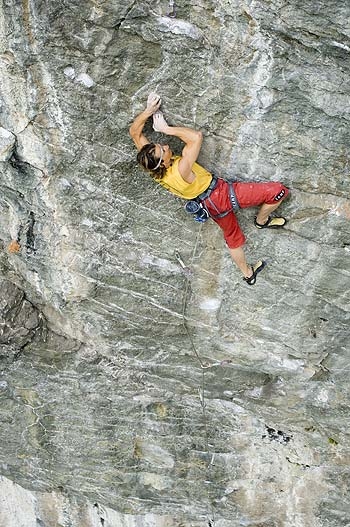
(155, 158)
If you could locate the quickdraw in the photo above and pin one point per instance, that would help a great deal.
(172, 12)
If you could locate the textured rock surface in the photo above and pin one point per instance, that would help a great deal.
(21, 508)
(175, 400)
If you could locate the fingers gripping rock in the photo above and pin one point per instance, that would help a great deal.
(159, 123)
(153, 102)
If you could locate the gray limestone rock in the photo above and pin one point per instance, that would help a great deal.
(169, 396)
(7, 143)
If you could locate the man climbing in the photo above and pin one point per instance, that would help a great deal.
(215, 197)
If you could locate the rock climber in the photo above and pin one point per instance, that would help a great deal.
(207, 194)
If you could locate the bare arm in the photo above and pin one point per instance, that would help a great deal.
(193, 141)
(136, 129)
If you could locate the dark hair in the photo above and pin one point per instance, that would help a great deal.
(147, 159)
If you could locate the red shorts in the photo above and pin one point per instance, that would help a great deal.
(248, 195)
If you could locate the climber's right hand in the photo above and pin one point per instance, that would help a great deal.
(153, 103)
(159, 123)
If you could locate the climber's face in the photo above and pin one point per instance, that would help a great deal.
(164, 152)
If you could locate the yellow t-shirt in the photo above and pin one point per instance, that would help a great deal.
(173, 181)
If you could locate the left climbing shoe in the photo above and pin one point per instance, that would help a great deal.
(259, 266)
(271, 223)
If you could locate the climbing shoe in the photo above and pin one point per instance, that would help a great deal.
(272, 223)
(259, 266)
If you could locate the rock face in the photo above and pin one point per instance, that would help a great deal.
(128, 385)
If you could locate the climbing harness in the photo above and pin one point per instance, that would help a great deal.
(233, 200)
(198, 209)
